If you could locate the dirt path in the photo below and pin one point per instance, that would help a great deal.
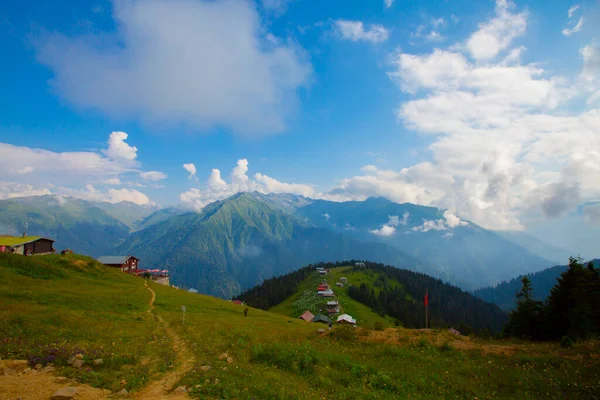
(36, 385)
(185, 361)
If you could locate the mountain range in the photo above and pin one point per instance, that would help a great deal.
(236, 243)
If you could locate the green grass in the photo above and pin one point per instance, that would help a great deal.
(86, 306)
(52, 307)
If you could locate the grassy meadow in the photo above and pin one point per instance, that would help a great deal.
(57, 306)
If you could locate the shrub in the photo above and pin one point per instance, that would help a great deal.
(345, 332)
(446, 347)
(300, 359)
(378, 326)
(566, 342)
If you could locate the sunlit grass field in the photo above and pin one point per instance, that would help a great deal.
(58, 306)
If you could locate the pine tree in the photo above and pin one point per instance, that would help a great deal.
(524, 319)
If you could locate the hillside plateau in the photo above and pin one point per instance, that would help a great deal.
(53, 307)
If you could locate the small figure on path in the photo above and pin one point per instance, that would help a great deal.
(246, 312)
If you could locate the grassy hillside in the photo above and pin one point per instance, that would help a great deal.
(375, 292)
(52, 307)
(305, 298)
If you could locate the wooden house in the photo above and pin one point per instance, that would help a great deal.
(346, 319)
(128, 264)
(26, 245)
(321, 318)
(307, 316)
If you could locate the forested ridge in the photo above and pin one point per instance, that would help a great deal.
(449, 306)
(571, 311)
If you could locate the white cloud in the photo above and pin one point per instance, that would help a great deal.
(453, 221)
(118, 149)
(507, 143)
(28, 171)
(9, 190)
(388, 3)
(326, 216)
(434, 26)
(590, 74)
(39, 166)
(132, 195)
(153, 175)
(591, 213)
(572, 10)
(216, 188)
(25, 170)
(497, 34)
(194, 63)
(113, 181)
(191, 168)
(575, 29)
(355, 31)
(385, 231)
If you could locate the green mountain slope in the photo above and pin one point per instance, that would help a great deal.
(504, 293)
(73, 223)
(44, 320)
(466, 255)
(129, 213)
(375, 291)
(237, 243)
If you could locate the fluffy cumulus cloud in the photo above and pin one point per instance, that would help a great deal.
(355, 31)
(389, 228)
(118, 148)
(576, 24)
(153, 175)
(508, 142)
(385, 230)
(191, 168)
(498, 33)
(449, 221)
(197, 63)
(217, 188)
(26, 171)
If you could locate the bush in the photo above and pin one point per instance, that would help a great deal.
(566, 342)
(446, 347)
(345, 332)
(300, 359)
(378, 326)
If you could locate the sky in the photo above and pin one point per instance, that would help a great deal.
(490, 109)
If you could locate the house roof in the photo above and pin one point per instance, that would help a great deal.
(320, 318)
(332, 303)
(18, 240)
(307, 316)
(237, 302)
(347, 318)
(113, 260)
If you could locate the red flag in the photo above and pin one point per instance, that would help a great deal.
(426, 299)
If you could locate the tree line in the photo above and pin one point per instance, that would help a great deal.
(571, 311)
(449, 306)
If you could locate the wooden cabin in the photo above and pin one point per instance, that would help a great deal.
(27, 245)
(128, 264)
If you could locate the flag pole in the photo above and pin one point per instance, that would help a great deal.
(426, 309)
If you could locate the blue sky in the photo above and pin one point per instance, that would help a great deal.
(488, 108)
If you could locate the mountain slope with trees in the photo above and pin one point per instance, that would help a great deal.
(76, 224)
(462, 252)
(393, 292)
(236, 243)
(572, 311)
(503, 294)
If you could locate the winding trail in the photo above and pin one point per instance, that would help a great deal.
(160, 389)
